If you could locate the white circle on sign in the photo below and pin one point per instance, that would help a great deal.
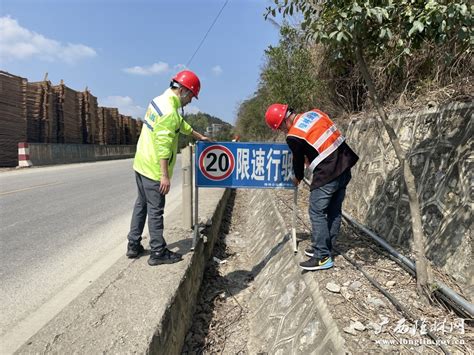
(216, 162)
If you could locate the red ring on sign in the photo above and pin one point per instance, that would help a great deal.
(229, 155)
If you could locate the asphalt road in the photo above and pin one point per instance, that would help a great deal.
(61, 227)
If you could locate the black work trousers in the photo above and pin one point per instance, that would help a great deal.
(152, 203)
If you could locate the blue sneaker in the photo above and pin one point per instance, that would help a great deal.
(314, 264)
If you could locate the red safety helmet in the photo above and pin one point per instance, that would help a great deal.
(275, 115)
(189, 80)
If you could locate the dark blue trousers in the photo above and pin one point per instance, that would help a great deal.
(325, 208)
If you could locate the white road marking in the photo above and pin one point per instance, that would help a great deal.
(29, 188)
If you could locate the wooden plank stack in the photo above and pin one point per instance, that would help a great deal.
(121, 129)
(41, 114)
(126, 128)
(69, 115)
(50, 114)
(139, 128)
(89, 117)
(12, 117)
(102, 115)
(33, 112)
(108, 125)
(38, 112)
(113, 132)
(133, 131)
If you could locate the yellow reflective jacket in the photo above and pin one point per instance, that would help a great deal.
(159, 136)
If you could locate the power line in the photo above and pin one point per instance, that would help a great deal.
(205, 36)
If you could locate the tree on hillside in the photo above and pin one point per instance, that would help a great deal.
(250, 124)
(362, 31)
(287, 75)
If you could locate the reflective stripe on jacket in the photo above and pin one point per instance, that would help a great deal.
(320, 132)
(159, 136)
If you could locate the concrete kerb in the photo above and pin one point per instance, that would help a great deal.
(135, 308)
(181, 308)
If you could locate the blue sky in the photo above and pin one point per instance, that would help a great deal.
(126, 51)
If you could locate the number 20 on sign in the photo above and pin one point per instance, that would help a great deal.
(216, 162)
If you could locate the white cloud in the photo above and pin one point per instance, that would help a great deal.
(217, 70)
(179, 67)
(17, 42)
(155, 68)
(191, 109)
(125, 105)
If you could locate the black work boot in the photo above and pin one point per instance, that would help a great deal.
(134, 250)
(166, 256)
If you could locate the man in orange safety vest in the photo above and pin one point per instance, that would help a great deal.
(313, 136)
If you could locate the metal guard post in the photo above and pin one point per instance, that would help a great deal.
(196, 207)
(293, 229)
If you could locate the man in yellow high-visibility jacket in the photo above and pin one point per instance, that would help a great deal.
(154, 161)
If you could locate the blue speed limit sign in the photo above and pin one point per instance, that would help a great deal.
(248, 165)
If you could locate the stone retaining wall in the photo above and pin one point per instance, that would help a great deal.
(439, 145)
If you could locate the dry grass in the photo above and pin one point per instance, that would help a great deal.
(433, 75)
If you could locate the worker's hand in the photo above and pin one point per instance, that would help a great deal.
(165, 185)
(206, 139)
(201, 137)
(296, 182)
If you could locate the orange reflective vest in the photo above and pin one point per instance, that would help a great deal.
(316, 128)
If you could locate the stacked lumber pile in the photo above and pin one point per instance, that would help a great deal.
(108, 125)
(127, 131)
(133, 131)
(33, 112)
(126, 136)
(89, 117)
(102, 115)
(38, 112)
(69, 115)
(50, 114)
(113, 133)
(139, 128)
(121, 129)
(41, 114)
(12, 117)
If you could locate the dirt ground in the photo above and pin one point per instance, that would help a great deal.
(353, 298)
(219, 324)
(369, 322)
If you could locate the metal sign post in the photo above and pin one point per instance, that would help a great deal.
(196, 205)
(293, 222)
(187, 186)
